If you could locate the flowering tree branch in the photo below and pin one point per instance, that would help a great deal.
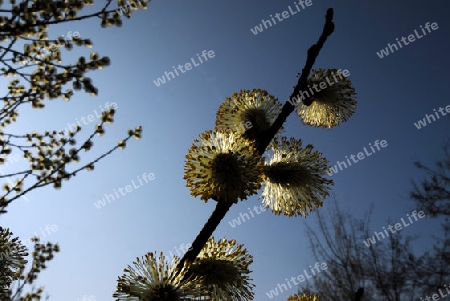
(302, 84)
(38, 74)
(262, 141)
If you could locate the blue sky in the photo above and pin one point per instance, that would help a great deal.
(394, 92)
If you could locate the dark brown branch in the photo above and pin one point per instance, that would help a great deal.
(302, 84)
(262, 142)
(206, 232)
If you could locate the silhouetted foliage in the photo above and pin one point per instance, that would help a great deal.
(433, 193)
(388, 269)
(384, 270)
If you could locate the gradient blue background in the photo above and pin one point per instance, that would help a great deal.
(393, 93)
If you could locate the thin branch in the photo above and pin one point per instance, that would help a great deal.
(302, 84)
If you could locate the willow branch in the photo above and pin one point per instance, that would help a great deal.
(262, 141)
(302, 84)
